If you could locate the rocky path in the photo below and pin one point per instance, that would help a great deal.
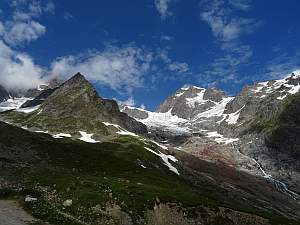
(12, 214)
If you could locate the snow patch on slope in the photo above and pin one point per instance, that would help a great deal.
(62, 135)
(121, 130)
(215, 111)
(87, 137)
(233, 117)
(28, 109)
(219, 138)
(165, 158)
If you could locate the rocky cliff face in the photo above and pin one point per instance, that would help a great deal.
(3, 94)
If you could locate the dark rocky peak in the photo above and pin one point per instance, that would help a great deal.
(78, 80)
(4, 95)
(77, 99)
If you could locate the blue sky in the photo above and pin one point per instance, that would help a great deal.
(143, 50)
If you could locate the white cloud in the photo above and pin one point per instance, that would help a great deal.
(163, 7)
(18, 71)
(121, 69)
(30, 9)
(19, 32)
(22, 27)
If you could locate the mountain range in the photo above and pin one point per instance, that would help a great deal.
(70, 156)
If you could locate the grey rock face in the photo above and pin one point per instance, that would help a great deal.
(39, 99)
(4, 95)
(134, 112)
(214, 94)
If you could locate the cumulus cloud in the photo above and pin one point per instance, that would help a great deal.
(163, 7)
(18, 71)
(120, 68)
(19, 32)
(22, 27)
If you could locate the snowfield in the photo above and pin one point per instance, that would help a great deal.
(12, 103)
(167, 121)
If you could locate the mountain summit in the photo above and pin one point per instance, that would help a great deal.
(75, 105)
(77, 100)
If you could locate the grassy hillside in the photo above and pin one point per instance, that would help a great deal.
(106, 182)
(282, 130)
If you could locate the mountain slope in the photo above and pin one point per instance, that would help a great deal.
(123, 182)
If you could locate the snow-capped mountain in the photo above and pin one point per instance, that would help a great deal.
(192, 109)
(243, 131)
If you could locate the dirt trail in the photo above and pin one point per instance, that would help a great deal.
(12, 214)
